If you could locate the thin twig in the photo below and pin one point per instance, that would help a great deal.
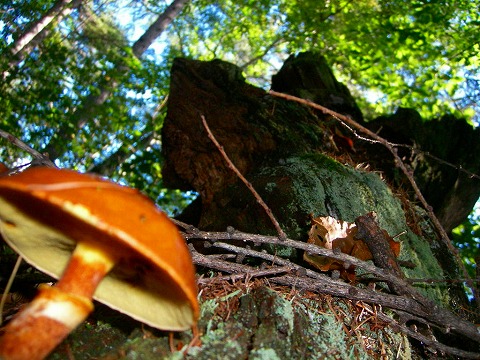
(414, 150)
(428, 341)
(280, 232)
(9, 285)
(398, 161)
(38, 157)
(440, 281)
(274, 259)
(251, 274)
(436, 315)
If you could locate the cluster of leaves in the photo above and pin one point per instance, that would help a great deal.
(466, 238)
(50, 100)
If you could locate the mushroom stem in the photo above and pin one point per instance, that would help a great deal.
(57, 310)
(87, 267)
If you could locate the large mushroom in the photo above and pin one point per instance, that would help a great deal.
(102, 240)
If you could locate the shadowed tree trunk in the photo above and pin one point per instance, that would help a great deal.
(257, 129)
(304, 162)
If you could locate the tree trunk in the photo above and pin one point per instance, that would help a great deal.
(301, 162)
(33, 33)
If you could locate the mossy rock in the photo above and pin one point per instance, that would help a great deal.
(255, 322)
(268, 326)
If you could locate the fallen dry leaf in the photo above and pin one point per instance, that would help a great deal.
(330, 233)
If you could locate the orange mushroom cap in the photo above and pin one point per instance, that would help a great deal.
(44, 212)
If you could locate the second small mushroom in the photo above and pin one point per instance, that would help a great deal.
(102, 240)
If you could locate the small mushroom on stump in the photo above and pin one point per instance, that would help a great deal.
(102, 240)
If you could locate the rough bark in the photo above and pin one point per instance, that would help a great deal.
(308, 76)
(252, 127)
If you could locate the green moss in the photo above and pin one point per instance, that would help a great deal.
(268, 326)
(319, 185)
(263, 354)
(219, 344)
(275, 323)
(418, 251)
(397, 345)
(325, 187)
(140, 348)
(207, 311)
(327, 337)
(90, 341)
(265, 326)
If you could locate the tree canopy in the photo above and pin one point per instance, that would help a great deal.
(82, 90)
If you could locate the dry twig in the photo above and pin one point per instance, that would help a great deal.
(432, 343)
(38, 158)
(193, 233)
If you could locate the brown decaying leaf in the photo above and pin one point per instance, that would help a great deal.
(339, 235)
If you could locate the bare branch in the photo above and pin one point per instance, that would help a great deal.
(193, 233)
(431, 342)
(247, 276)
(39, 158)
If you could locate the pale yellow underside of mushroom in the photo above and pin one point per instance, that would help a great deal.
(49, 251)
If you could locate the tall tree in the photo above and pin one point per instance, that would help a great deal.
(36, 32)
(86, 113)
